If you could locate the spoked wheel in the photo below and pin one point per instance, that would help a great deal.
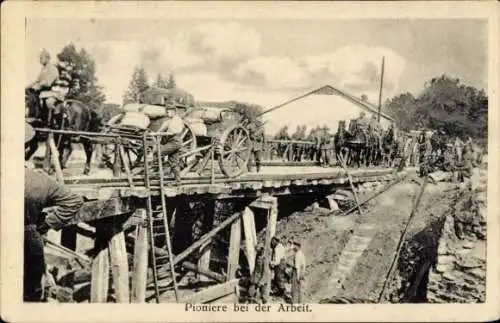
(235, 149)
(133, 150)
(188, 156)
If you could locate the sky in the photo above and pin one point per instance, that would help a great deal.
(267, 61)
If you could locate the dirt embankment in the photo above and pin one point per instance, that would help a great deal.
(460, 272)
(445, 261)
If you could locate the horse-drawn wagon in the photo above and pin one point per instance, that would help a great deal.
(209, 134)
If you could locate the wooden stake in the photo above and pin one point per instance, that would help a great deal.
(140, 274)
(100, 269)
(234, 249)
(344, 167)
(119, 263)
(126, 165)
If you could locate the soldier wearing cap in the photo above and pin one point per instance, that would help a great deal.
(46, 79)
(298, 274)
(41, 191)
(172, 142)
(258, 139)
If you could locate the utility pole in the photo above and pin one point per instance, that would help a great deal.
(381, 86)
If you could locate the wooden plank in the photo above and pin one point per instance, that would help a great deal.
(273, 217)
(212, 293)
(140, 274)
(250, 241)
(180, 257)
(95, 210)
(100, 269)
(204, 262)
(234, 249)
(119, 265)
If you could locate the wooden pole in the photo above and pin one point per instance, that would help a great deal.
(250, 241)
(344, 167)
(140, 274)
(54, 155)
(234, 250)
(99, 284)
(381, 87)
(205, 272)
(119, 265)
(117, 164)
(126, 165)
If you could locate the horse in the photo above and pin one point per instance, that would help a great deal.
(68, 115)
(373, 147)
(356, 144)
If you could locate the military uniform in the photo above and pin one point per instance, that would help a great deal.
(41, 191)
(257, 138)
(173, 143)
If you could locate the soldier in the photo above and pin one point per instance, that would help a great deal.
(362, 122)
(298, 274)
(278, 266)
(258, 139)
(258, 290)
(173, 141)
(41, 191)
(325, 146)
(44, 83)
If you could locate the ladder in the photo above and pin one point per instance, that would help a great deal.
(158, 224)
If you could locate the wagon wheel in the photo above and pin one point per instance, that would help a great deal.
(235, 149)
(132, 148)
(188, 157)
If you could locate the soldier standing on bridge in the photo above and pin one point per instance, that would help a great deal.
(173, 141)
(258, 140)
(41, 191)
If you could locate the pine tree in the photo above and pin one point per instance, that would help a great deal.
(160, 82)
(84, 83)
(138, 84)
(171, 82)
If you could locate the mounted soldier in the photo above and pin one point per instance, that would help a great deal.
(51, 86)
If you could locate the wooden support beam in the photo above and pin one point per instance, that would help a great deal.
(140, 274)
(212, 293)
(250, 237)
(95, 210)
(100, 269)
(205, 272)
(206, 250)
(234, 249)
(183, 255)
(119, 265)
(273, 217)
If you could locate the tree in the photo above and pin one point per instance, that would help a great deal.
(84, 84)
(446, 104)
(171, 82)
(160, 82)
(138, 84)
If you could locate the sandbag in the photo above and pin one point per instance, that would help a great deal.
(135, 119)
(211, 115)
(198, 126)
(149, 110)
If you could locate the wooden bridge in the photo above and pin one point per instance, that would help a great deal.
(149, 233)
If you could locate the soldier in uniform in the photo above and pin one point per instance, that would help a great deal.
(325, 146)
(258, 139)
(173, 141)
(41, 191)
(45, 85)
